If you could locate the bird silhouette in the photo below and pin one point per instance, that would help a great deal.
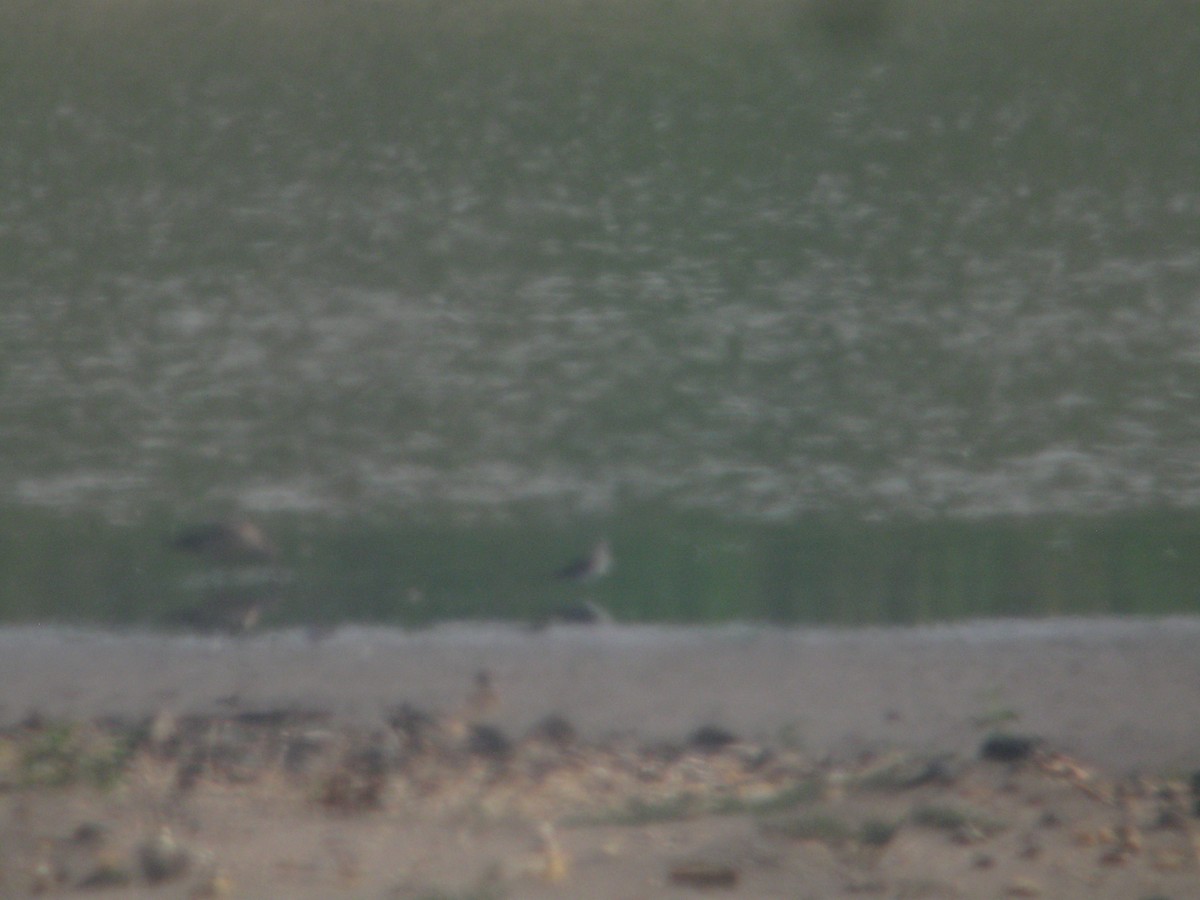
(596, 564)
(240, 580)
(236, 542)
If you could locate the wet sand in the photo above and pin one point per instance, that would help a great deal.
(1125, 693)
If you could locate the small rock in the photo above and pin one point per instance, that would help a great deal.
(1115, 856)
(1031, 847)
(1009, 747)
(554, 730)
(711, 738)
(89, 834)
(349, 791)
(489, 741)
(162, 858)
(415, 726)
(302, 751)
(968, 833)
(104, 876)
(1023, 887)
(702, 875)
(1049, 819)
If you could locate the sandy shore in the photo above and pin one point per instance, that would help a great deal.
(1123, 693)
(746, 761)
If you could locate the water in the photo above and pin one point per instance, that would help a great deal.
(822, 312)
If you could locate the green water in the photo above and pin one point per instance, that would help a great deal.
(670, 568)
(820, 311)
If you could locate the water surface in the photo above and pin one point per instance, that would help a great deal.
(820, 312)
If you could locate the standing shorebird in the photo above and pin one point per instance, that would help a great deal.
(597, 564)
(585, 570)
(232, 543)
(241, 578)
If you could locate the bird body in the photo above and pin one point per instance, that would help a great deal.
(236, 542)
(597, 564)
(240, 578)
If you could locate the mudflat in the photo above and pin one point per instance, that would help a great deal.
(998, 758)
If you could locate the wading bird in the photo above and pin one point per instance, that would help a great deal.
(592, 567)
(597, 564)
(240, 579)
(227, 543)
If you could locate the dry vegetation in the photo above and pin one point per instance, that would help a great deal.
(290, 803)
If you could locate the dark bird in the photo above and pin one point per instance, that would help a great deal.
(227, 543)
(596, 564)
(240, 578)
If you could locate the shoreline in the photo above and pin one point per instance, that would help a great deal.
(604, 762)
(1124, 693)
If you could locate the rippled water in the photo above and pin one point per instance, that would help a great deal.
(558, 266)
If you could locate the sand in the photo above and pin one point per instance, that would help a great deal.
(1114, 706)
(1123, 693)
